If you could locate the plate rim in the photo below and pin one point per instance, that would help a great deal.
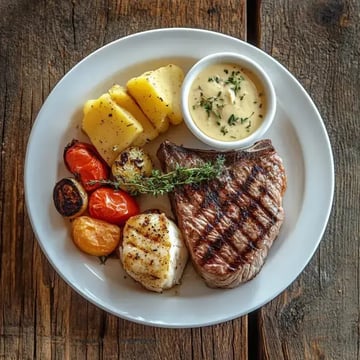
(188, 30)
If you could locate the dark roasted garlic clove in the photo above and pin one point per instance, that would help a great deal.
(70, 198)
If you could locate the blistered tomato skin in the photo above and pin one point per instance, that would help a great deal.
(85, 164)
(113, 206)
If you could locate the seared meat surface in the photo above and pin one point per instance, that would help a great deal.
(229, 223)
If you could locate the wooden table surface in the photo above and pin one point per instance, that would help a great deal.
(317, 317)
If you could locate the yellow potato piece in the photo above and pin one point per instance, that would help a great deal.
(123, 99)
(158, 94)
(88, 105)
(110, 128)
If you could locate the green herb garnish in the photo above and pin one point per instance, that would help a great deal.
(248, 126)
(103, 259)
(212, 104)
(232, 120)
(244, 119)
(159, 183)
(214, 78)
(235, 80)
(224, 130)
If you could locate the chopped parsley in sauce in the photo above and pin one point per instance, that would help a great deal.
(227, 102)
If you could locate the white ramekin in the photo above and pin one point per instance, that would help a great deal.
(250, 64)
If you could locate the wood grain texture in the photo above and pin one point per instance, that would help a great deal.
(41, 317)
(318, 316)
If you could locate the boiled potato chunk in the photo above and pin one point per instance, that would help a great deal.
(123, 99)
(88, 106)
(95, 237)
(158, 94)
(110, 128)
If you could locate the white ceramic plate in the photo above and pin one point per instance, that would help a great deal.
(298, 134)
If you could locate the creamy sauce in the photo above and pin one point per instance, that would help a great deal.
(227, 102)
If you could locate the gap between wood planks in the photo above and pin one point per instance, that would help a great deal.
(252, 21)
(252, 35)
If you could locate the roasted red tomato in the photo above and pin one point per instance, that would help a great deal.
(113, 206)
(85, 163)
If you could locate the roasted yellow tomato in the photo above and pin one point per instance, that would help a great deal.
(95, 237)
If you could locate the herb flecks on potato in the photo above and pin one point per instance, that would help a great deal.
(123, 99)
(110, 128)
(158, 94)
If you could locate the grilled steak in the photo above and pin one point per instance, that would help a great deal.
(229, 223)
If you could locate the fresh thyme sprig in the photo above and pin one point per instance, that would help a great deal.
(159, 183)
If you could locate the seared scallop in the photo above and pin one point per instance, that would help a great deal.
(153, 252)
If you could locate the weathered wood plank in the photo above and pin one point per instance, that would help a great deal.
(318, 317)
(40, 316)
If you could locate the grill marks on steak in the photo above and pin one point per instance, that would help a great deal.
(230, 222)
